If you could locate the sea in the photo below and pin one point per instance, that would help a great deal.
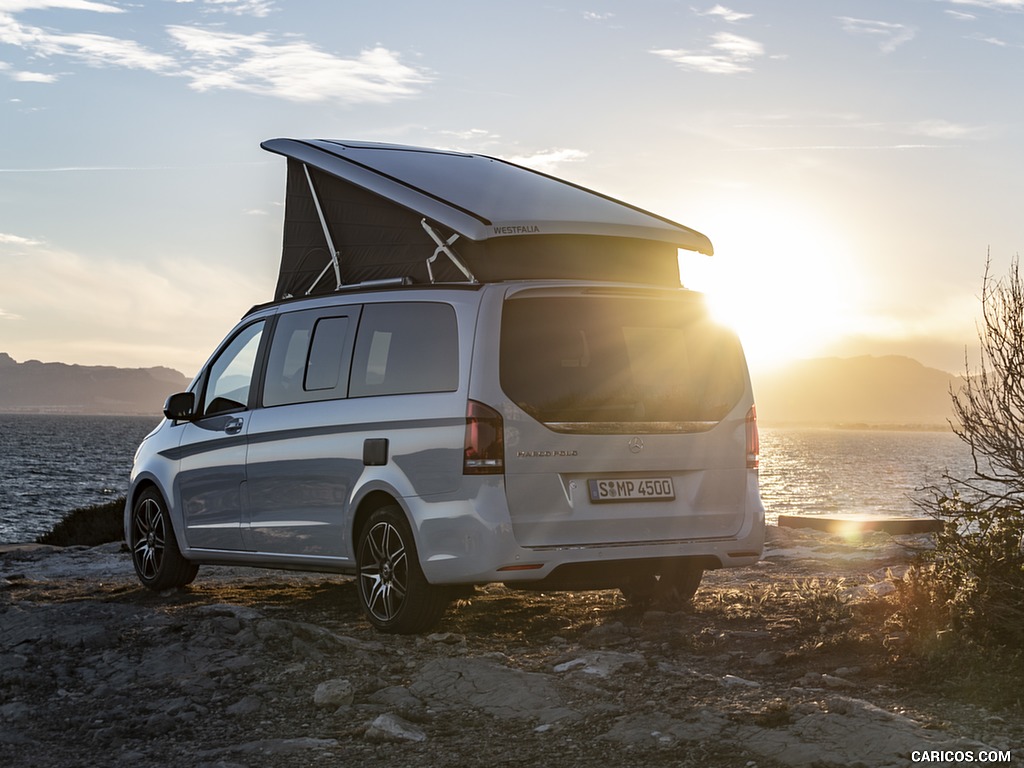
(51, 464)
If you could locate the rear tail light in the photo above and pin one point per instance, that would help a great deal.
(485, 446)
(753, 439)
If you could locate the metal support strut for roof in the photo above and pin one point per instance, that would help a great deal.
(444, 246)
(327, 234)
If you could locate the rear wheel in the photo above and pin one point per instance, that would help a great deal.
(393, 592)
(155, 554)
(672, 589)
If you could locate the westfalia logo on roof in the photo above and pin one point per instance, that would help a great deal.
(517, 229)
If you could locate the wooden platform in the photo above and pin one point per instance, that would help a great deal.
(861, 523)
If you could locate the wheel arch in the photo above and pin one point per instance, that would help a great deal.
(142, 484)
(370, 503)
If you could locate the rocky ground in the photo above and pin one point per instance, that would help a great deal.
(775, 665)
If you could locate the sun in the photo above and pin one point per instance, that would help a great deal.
(781, 277)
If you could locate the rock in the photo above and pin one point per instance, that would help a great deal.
(849, 732)
(447, 638)
(395, 697)
(247, 706)
(602, 663)
(283, 746)
(604, 635)
(334, 693)
(768, 658)
(94, 670)
(478, 684)
(732, 680)
(831, 681)
(390, 727)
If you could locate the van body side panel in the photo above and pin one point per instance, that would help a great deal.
(304, 468)
(301, 469)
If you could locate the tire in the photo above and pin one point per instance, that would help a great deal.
(158, 561)
(672, 589)
(394, 595)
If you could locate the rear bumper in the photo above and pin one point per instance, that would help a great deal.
(473, 541)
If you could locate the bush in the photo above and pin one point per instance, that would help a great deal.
(974, 578)
(88, 526)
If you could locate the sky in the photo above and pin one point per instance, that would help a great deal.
(854, 162)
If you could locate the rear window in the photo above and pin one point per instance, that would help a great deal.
(612, 364)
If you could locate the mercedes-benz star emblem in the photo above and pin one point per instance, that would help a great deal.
(636, 445)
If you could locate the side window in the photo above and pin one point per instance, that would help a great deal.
(230, 376)
(309, 357)
(323, 371)
(405, 349)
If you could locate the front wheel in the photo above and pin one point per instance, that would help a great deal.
(155, 554)
(393, 592)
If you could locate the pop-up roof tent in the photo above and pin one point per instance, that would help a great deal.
(356, 212)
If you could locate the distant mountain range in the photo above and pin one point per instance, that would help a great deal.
(35, 387)
(856, 391)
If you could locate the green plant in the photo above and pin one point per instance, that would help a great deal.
(88, 526)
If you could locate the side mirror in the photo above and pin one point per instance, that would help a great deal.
(180, 406)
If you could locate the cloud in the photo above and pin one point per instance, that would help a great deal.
(17, 6)
(889, 35)
(292, 69)
(93, 49)
(594, 16)
(4, 315)
(33, 77)
(548, 160)
(112, 310)
(473, 134)
(990, 40)
(728, 55)
(998, 5)
(943, 129)
(211, 59)
(257, 8)
(842, 147)
(6, 239)
(727, 14)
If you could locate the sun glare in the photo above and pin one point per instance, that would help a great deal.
(780, 279)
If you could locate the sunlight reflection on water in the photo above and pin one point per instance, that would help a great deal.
(877, 472)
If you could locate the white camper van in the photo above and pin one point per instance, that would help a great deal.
(470, 373)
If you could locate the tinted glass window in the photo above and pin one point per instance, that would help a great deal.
(323, 371)
(406, 348)
(613, 363)
(231, 374)
(308, 358)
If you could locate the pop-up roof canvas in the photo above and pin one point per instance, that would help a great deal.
(356, 212)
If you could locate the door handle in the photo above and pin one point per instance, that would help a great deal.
(234, 426)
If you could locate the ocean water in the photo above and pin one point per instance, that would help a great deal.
(51, 464)
(865, 472)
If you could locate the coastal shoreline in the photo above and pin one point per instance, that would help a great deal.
(268, 668)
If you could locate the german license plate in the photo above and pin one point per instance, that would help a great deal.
(631, 489)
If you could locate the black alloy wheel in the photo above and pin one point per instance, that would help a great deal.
(158, 561)
(393, 592)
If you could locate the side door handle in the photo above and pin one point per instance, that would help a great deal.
(234, 426)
